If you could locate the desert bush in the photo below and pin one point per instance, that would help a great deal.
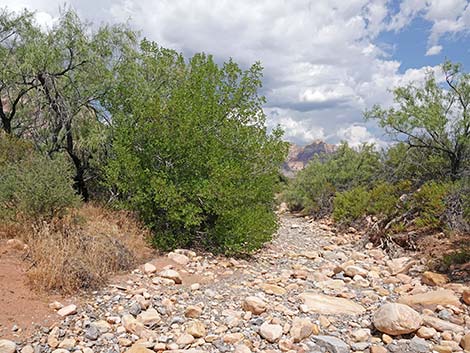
(192, 155)
(36, 187)
(429, 204)
(83, 249)
(314, 187)
(350, 205)
(13, 149)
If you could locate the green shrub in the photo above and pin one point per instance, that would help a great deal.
(36, 187)
(385, 198)
(429, 203)
(349, 206)
(13, 149)
(314, 187)
(193, 156)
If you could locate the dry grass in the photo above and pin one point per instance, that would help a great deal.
(82, 250)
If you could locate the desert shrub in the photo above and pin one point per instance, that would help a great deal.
(314, 187)
(13, 149)
(82, 250)
(385, 198)
(429, 204)
(350, 205)
(193, 156)
(36, 187)
(459, 256)
(457, 213)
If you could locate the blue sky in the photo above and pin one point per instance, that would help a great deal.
(325, 61)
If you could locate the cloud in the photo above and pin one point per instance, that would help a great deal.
(434, 50)
(356, 135)
(323, 63)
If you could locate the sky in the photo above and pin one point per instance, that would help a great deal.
(325, 61)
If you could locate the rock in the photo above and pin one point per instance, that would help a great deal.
(92, 333)
(150, 268)
(397, 319)
(241, 348)
(352, 271)
(133, 326)
(466, 296)
(27, 349)
(56, 305)
(270, 332)
(361, 335)
(434, 298)
(185, 339)
(331, 344)
(232, 338)
(254, 304)
(465, 342)
(400, 265)
(441, 325)
(149, 317)
(196, 329)
(272, 289)
(67, 310)
(193, 311)
(7, 346)
(171, 274)
(68, 343)
(419, 345)
(442, 349)
(378, 349)
(300, 329)
(426, 332)
(179, 258)
(434, 279)
(139, 348)
(328, 305)
(60, 350)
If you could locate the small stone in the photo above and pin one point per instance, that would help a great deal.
(270, 332)
(465, 342)
(149, 317)
(196, 329)
(67, 343)
(179, 258)
(171, 274)
(241, 348)
(254, 304)
(301, 328)
(442, 349)
(7, 346)
(150, 268)
(185, 339)
(331, 344)
(273, 289)
(397, 319)
(193, 311)
(378, 349)
(56, 305)
(434, 279)
(361, 335)
(92, 333)
(466, 296)
(387, 339)
(67, 310)
(27, 349)
(426, 332)
(139, 348)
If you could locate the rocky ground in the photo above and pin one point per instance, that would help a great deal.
(310, 290)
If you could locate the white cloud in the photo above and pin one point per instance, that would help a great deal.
(356, 135)
(434, 50)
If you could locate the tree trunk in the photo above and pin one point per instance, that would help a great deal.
(6, 123)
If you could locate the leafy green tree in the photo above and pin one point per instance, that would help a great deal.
(191, 152)
(434, 118)
(52, 82)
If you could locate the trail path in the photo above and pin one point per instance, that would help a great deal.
(309, 290)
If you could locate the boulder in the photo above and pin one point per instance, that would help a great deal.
(397, 319)
(179, 258)
(441, 325)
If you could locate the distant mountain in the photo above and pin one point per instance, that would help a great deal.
(298, 157)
